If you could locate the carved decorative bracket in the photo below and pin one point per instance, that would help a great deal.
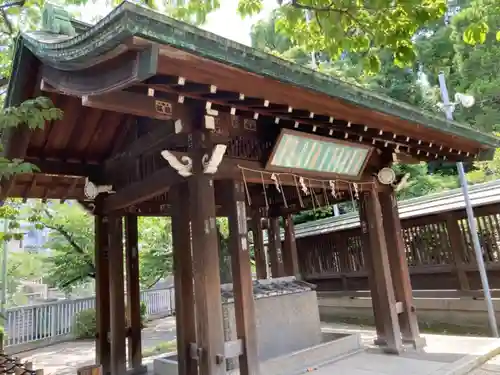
(210, 165)
(184, 167)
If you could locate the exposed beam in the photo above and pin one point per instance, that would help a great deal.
(70, 190)
(159, 139)
(29, 187)
(156, 184)
(59, 167)
(160, 181)
(359, 132)
(137, 104)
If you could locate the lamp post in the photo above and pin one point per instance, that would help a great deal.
(448, 108)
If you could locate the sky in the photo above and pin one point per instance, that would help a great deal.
(227, 23)
(224, 22)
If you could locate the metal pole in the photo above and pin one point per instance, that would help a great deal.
(313, 55)
(470, 218)
(3, 299)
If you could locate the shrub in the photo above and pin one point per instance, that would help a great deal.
(3, 337)
(85, 322)
(144, 312)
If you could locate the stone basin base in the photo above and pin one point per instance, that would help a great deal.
(334, 346)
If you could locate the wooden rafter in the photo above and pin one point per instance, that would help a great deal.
(70, 190)
(294, 118)
(29, 188)
(66, 168)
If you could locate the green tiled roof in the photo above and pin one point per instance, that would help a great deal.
(132, 20)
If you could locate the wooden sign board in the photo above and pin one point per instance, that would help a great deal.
(322, 156)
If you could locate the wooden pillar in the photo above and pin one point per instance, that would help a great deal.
(399, 269)
(208, 302)
(133, 294)
(372, 224)
(244, 308)
(274, 248)
(458, 249)
(183, 279)
(116, 296)
(103, 353)
(259, 250)
(290, 256)
(368, 263)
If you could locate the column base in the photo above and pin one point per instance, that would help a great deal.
(388, 350)
(416, 343)
(142, 369)
(380, 341)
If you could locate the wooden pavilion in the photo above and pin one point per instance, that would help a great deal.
(162, 118)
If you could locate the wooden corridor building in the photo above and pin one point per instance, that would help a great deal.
(162, 118)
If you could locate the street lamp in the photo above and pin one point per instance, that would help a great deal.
(448, 108)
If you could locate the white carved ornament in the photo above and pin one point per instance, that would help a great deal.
(183, 167)
(92, 190)
(210, 165)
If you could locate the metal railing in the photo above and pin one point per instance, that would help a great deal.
(54, 321)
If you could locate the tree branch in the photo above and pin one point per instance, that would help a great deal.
(75, 279)
(3, 14)
(154, 283)
(327, 8)
(68, 238)
(331, 8)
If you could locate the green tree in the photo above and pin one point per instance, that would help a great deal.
(22, 266)
(476, 69)
(364, 28)
(72, 245)
(224, 254)
(155, 249)
(334, 27)
(71, 241)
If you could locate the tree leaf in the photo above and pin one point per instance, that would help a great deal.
(476, 33)
(374, 63)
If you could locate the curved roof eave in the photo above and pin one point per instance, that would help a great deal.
(128, 20)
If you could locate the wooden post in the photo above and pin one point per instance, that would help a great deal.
(183, 279)
(368, 263)
(259, 250)
(208, 301)
(290, 256)
(133, 294)
(458, 250)
(103, 350)
(274, 247)
(371, 223)
(399, 269)
(116, 296)
(242, 281)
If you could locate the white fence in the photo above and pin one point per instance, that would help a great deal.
(54, 321)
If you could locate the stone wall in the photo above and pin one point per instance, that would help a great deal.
(287, 317)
